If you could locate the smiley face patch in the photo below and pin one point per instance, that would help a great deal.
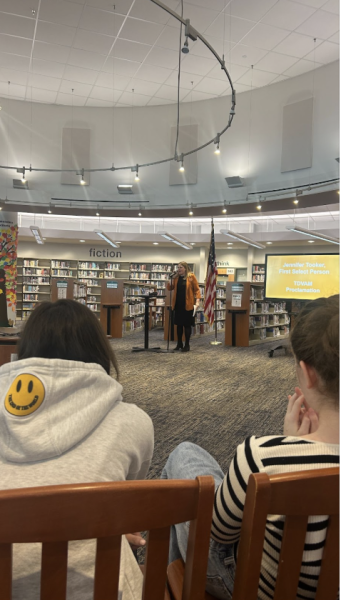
(25, 395)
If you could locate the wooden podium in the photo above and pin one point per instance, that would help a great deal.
(111, 314)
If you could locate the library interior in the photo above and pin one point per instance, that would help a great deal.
(135, 137)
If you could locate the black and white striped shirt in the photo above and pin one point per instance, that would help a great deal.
(273, 455)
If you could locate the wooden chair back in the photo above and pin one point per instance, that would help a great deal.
(297, 496)
(54, 515)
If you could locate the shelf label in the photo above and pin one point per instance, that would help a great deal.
(112, 285)
(237, 287)
(61, 284)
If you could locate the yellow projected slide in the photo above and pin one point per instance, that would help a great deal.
(302, 277)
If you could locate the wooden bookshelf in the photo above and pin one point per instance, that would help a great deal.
(68, 288)
(250, 319)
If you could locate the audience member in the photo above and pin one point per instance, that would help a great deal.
(310, 440)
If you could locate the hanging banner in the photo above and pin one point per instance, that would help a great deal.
(8, 268)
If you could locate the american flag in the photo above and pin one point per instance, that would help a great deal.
(211, 282)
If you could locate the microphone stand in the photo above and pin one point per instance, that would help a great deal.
(168, 351)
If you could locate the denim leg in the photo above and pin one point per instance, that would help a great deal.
(188, 461)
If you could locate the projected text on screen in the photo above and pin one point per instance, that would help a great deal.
(302, 277)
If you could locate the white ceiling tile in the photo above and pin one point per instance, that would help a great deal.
(332, 6)
(65, 13)
(240, 88)
(19, 7)
(121, 7)
(155, 74)
(101, 21)
(44, 82)
(130, 50)
(70, 100)
(90, 60)
(325, 53)
(196, 96)
(200, 18)
(12, 90)
(289, 14)
(188, 81)
(14, 25)
(255, 78)
(55, 34)
(313, 3)
(39, 95)
(15, 45)
(335, 38)
(235, 71)
(93, 42)
(45, 67)
(265, 36)
(276, 63)
(15, 77)
(321, 24)
(219, 45)
(280, 78)
(106, 94)
(140, 31)
(99, 103)
(80, 89)
(212, 86)
(162, 57)
(302, 66)
(216, 5)
(111, 81)
(78, 74)
(133, 99)
(169, 38)
(169, 92)
(11, 61)
(126, 68)
(146, 10)
(77, 1)
(146, 88)
(249, 9)
(232, 30)
(198, 65)
(158, 101)
(297, 45)
(245, 56)
(51, 52)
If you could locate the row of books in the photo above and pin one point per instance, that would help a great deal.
(36, 271)
(133, 324)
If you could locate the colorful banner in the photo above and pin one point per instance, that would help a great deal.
(8, 268)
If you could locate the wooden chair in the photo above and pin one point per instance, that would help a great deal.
(297, 496)
(54, 515)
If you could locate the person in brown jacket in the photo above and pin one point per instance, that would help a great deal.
(186, 295)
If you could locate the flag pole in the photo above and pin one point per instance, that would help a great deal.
(215, 342)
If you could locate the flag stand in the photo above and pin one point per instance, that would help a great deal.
(215, 342)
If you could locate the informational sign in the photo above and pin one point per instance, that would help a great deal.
(112, 285)
(236, 300)
(61, 284)
(237, 287)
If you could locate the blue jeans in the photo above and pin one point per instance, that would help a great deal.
(188, 461)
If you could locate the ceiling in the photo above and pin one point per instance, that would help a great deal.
(104, 49)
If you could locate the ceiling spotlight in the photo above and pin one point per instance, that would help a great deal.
(191, 213)
(49, 211)
(182, 168)
(185, 48)
(97, 214)
(140, 214)
(224, 210)
(259, 206)
(296, 201)
(23, 179)
(217, 141)
(136, 171)
(217, 150)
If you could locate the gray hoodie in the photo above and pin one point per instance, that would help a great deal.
(64, 422)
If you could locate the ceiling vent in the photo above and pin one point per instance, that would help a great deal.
(19, 185)
(234, 182)
(125, 189)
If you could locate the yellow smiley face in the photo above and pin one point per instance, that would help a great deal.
(25, 395)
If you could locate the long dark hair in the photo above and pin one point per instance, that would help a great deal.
(68, 330)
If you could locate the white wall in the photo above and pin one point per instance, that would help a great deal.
(32, 134)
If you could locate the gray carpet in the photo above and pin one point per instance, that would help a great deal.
(214, 396)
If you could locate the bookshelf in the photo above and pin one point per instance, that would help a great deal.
(68, 288)
(251, 320)
(258, 273)
(33, 284)
(64, 268)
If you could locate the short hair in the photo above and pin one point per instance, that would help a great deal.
(68, 330)
(315, 340)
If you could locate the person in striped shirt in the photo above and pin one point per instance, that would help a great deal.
(310, 440)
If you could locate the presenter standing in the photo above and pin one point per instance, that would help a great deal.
(186, 297)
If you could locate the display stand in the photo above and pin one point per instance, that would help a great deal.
(147, 298)
(112, 299)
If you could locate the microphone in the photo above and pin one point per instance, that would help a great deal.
(174, 274)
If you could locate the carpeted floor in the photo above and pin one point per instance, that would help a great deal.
(214, 396)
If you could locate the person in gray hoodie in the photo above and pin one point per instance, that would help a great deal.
(62, 420)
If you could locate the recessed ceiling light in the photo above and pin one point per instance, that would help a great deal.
(118, 242)
(311, 241)
(192, 243)
(82, 241)
(44, 238)
(269, 242)
(156, 243)
(230, 243)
